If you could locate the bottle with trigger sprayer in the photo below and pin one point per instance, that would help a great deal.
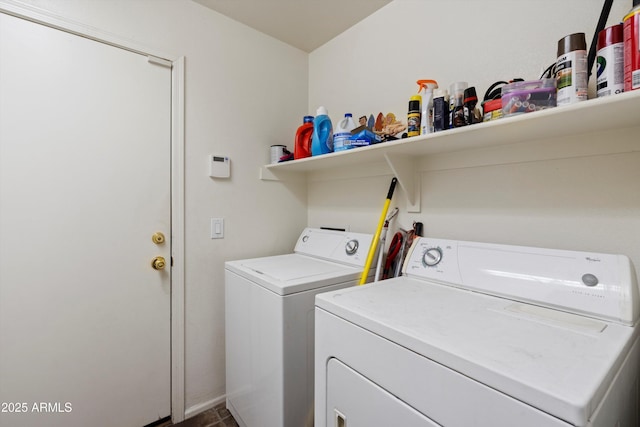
(426, 90)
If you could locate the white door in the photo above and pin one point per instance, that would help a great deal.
(84, 184)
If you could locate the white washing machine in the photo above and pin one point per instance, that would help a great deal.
(483, 335)
(269, 328)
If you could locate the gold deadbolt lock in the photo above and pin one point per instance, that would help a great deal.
(158, 263)
(158, 238)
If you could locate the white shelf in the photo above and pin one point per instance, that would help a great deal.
(595, 115)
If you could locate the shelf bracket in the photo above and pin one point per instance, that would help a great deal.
(267, 174)
(404, 168)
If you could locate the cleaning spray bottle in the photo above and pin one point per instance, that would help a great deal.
(322, 140)
(426, 90)
(302, 147)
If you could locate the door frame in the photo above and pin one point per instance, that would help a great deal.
(177, 65)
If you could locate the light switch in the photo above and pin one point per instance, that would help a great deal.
(217, 228)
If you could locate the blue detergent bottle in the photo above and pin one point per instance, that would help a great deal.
(322, 139)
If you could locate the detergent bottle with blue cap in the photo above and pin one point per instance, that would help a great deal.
(302, 147)
(342, 136)
(322, 139)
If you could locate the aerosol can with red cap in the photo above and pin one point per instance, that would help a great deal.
(631, 24)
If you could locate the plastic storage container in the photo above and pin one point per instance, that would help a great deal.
(322, 140)
(342, 135)
(492, 110)
(529, 96)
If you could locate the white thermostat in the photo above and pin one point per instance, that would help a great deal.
(219, 166)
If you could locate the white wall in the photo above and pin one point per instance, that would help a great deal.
(244, 92)
(236, 76)
(373, 66)
(512, 195)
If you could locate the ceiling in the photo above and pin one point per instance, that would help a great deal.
(305, 24)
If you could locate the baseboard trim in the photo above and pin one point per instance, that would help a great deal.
(201, 407)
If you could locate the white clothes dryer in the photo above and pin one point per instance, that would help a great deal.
(269, 316)
(477, 334)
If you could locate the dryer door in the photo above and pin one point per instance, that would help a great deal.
(354, 401)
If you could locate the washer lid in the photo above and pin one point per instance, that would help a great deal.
(558, 362)
(291, 273)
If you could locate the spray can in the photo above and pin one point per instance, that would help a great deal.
(470, 101)
(610, 61)
(631, 24)
(572, 69)
(456, 103)
(440, 110)
(413, 118)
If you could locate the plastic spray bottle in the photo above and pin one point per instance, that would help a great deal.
(302, 147)
(342, 134)
(322, 140)
(426, 117)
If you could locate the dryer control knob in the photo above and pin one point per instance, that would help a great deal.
(432, 257)
(351, 247)
(589, 279)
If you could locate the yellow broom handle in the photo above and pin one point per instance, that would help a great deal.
(376, 236)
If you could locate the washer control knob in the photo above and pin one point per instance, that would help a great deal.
(351, 247)
(432, 257)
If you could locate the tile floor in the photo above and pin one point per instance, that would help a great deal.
(218, 416)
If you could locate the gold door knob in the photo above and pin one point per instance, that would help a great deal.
(158, 263)
(158, 238)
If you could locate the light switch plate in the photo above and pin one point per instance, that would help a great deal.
(217, 228)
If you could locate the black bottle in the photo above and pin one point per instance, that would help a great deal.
(470, 101)
(457, 114)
